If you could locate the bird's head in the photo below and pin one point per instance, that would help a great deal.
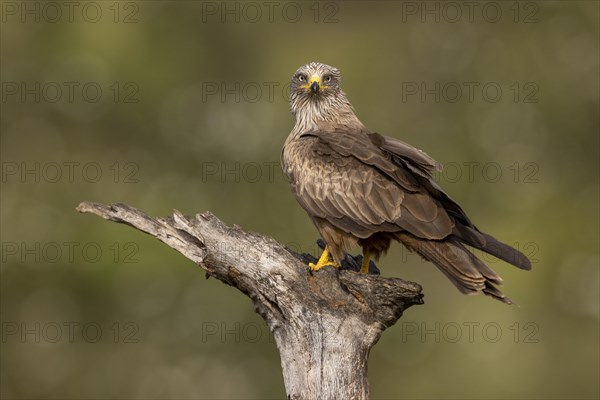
(316, 80)
(315, 94)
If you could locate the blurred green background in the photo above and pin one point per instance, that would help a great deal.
(183, 105)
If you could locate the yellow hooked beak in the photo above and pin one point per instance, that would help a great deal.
(314, 84)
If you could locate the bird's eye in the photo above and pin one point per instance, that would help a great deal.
(301, 78)
(327, 78)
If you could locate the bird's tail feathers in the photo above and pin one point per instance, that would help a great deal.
(468, 273)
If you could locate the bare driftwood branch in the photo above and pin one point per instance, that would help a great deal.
(324, 323)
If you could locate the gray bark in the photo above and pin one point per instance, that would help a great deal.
(324, 322)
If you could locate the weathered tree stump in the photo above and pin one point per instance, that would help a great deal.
(324, 323)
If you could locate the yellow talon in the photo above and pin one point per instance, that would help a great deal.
(324, 261)
(364, 268)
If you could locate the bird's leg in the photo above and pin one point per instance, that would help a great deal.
(324, 261)
(364, 268)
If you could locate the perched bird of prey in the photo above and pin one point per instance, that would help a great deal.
(361, 187)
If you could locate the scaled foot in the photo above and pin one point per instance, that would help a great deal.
(324, 261)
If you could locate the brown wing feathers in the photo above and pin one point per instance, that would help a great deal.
(371, 184)
(464, 228)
